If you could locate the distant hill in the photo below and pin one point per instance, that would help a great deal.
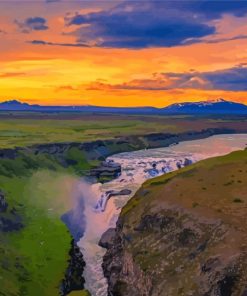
(15, 105)
(219, 106)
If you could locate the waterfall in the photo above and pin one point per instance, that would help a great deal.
(102, 202)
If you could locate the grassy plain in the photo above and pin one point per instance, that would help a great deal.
(24, 129)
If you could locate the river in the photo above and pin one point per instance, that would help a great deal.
(138, 166)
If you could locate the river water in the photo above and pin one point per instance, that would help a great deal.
(101, 213)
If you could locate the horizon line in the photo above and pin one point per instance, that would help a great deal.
(131, 107)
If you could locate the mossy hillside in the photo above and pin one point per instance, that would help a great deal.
(35, 256)
(34, 259)
(79, 160)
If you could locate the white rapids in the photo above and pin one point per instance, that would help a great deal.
(102, 212)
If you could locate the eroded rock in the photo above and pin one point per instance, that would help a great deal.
(73, 280)
(107, 237)
(3, 203)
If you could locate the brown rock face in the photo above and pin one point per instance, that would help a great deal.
(121, 271)
(73, 280)
(106, 240)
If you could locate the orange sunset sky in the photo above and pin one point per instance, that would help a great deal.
(123, 53)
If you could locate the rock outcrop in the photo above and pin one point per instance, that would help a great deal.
(3, 203)
(106, 171)
(107, 238)
(112, 193)
(10, 220)
(73, 280)
(74, 219)
(124, 276)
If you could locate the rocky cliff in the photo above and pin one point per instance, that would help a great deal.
(10, 220)
(183, 233)
(73, 279)
(3, 202)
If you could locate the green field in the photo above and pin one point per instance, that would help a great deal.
(24, 129)
(34, 258)
(35, 262)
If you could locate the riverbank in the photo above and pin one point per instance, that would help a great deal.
(17, 166)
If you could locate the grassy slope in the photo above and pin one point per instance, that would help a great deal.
(208, 201)
(34, 259)
(218, 176)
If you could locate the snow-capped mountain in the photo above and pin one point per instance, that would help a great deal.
(219, 106)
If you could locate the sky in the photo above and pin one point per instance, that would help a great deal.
(122, 53)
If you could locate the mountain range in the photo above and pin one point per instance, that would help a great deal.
(219, 106)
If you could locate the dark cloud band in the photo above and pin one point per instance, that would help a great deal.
(132, 24)
(32, 24)
(232, 79)
(42, 42)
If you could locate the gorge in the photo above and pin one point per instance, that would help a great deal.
(137, 167)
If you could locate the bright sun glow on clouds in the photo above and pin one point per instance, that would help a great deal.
(123, 53)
